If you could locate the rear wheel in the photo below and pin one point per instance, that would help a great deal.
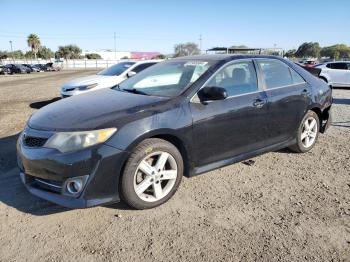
(307, 133)
(152, 174)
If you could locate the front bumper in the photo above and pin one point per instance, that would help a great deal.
(44, 172)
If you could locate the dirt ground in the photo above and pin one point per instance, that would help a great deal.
(284, 207)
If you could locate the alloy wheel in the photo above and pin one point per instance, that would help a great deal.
(309, 132)
(155, 176)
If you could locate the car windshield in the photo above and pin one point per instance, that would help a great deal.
(166, 79)
(117, 69)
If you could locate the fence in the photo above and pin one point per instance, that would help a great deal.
(66, 64)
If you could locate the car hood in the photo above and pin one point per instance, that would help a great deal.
(100, 109)
(93, 79)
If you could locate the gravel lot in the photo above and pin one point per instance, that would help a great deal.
(284, 207)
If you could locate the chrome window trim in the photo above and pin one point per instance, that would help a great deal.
(195, 98)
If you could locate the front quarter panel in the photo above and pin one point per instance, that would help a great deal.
(176, 120)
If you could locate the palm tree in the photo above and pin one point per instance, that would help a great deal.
(34, 43)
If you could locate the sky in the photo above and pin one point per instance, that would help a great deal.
(157, 25)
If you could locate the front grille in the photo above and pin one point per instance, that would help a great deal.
(69, 89)
(31, 141)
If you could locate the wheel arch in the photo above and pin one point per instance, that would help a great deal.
(171, 137)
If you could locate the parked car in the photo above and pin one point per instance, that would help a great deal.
(335, 73)
(43, 68)
(136, 140)
(17, 69)
(313, 70)
(32, 67)
(309, 63)
(107, 78)
(4, 70)
(54, 66)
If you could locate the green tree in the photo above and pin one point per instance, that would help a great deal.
(308, 49)
(336, 51)
(3, 55)
(68, 52)
(34, 43)
(17, 54)
(93, 56)
(290, 53)
(45, 53)
(186, 49)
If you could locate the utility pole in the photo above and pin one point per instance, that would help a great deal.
(115, 46)
(200, 43)
(12, 51)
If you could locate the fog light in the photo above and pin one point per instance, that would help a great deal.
(75, 185)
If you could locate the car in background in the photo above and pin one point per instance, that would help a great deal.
(4, 70)
(43, 67)
(312, 70)
(336, 74)
(107, 78)
(17, 69)
(184, 116)
(54, 66)
(32, 67)
(310, 63)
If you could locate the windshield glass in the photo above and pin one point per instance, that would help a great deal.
(116, 70)
(167, 79)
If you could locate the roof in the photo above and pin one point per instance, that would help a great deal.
(229, 49)
(218, 57)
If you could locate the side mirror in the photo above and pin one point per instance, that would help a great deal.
(130, 74)
(209, 93)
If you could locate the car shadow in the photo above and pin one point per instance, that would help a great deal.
(345, 124)
(341, 101)
(40, 104)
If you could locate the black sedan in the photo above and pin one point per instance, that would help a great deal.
(17, 69)
(184, 116)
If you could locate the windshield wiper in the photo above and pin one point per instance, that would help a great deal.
(134, 91)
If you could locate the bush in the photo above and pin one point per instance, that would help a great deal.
(93, 56)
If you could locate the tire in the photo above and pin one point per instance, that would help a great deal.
(144, 173)
(307, 138)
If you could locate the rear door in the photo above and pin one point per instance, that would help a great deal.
(338, 73)
(287, 94)
(233, 126)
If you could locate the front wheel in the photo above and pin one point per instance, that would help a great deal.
(307, 133)
(152, 174)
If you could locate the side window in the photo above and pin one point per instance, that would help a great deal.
(297, 79)
(141, 67)
(237, 78)
(342, 66)
(329, 65)
(275, 73)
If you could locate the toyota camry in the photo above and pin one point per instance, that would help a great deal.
(180, 117)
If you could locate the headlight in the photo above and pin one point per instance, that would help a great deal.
(87, 87)
(73, 141)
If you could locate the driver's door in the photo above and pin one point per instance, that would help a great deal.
(233, 126)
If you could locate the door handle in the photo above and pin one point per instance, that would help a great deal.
(259, 103)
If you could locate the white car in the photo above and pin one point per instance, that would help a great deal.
(107, 78)
(335, 73)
